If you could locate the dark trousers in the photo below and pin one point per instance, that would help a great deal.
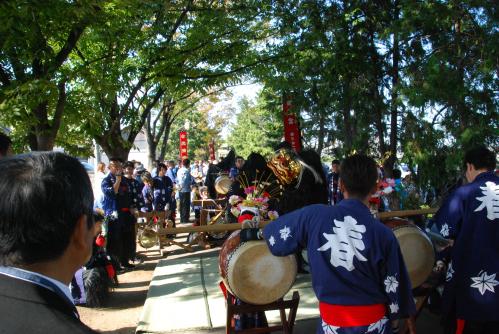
(128, 236)
(115, 239)
(185, 206)
(129, 240)
(121, 237)
(173, 208)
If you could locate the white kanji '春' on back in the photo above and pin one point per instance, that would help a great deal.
(345, 243)
(490, 200)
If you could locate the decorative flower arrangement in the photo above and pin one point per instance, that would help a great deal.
(256, 200)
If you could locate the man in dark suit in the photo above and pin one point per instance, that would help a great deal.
(46, 234)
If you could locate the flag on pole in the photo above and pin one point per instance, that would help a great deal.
(183, 145)
(291, 127)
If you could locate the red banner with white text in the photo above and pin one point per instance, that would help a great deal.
(291, 127)
(183, 145)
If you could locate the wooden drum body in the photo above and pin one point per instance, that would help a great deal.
(222, 184)
(417, 249)
(251, 273)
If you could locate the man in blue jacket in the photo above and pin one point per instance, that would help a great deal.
(184, 182)
(471, 218)
(358, 273)
(117, 203)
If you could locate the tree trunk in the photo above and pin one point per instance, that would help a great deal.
(151, 157)
(119, 152)
(322, 133)
(377, 102)
(388, 164)
(114, 145)
(317, 105)
(41, 136)
(460, 103)
(164, 144)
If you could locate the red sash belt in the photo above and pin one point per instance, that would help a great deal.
(125, 209)
(352, 315)
(460, 326)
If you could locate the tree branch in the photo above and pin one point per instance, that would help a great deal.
(59, 109)
(147, 110)
(73, 37)
(438, 114)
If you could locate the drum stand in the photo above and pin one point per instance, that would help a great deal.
(207, 206)
(421, 295)
(286, 325)
(163, 238)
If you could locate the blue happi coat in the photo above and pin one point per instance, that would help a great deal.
(148, 195)
(470, 216)
(113, 202)
(162, 192)
(135, 188)
(354, 259)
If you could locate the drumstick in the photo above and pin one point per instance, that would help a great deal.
(237, 226)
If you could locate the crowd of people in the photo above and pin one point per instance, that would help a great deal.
(128, 187)
(48, 231)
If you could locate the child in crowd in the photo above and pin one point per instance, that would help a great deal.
(195, 195)
(147, 193)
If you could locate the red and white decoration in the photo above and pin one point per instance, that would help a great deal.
(211, 149)
(291, 128)
(183, 145)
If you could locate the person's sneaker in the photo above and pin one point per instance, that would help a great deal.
(137, 260)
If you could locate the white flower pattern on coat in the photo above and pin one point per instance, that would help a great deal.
(285, 233)
(391, 284)
(394, 307)
(378, 326)
(272, 240)
(450, 273)
(329, 329)
(444, 231)
(484, 282)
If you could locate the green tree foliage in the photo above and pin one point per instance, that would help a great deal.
(168, 51)
(36, 40)
(123, 62)
(258, 127)
(391, 78)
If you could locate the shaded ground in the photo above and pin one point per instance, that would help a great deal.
(122, 312)
(123, 309)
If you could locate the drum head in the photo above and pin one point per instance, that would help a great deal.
(222, 184)
(258, 277)
(148, 237)
(417, 251)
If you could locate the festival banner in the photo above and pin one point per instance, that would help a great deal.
(291, 128)
(183, 145)
(211, 149)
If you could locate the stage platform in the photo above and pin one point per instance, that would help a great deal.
(184, 296)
